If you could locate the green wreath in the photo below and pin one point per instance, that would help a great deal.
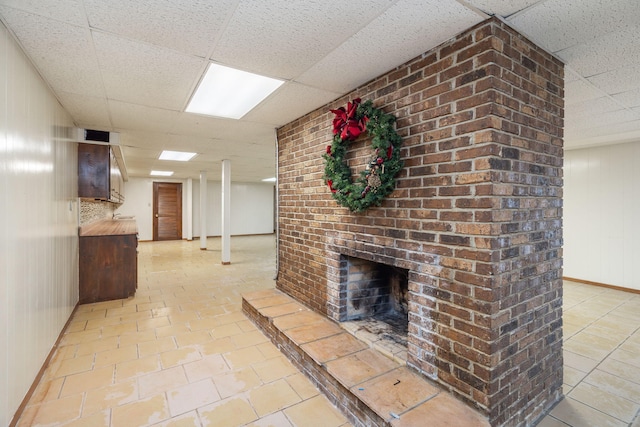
(378, 180)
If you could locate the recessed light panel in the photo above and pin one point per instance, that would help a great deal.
(269, 179)
(180, 156)
(230, 93)
(161, 173)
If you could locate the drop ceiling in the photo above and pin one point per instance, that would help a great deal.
(130, 66)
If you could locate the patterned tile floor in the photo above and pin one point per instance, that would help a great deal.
(181, 353)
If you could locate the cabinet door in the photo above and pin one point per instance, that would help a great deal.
(93, 171)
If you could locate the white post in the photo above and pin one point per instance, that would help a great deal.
(189, 209)
(203, 210)
(226, 212)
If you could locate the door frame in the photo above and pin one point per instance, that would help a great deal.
(154, 212)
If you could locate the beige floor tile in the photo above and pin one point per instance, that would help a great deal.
(230, 412)
(137, 367)
(249, 338)
(157, 346)
(190, 419)
(272, 369)
(103, 398)
(172, 330)
(269, 350)
(119, 329)
(236, 382)
(549, 421)
(578, 414)
(86, 349)
(99, 419)
(317, 409)
(272, 397)
(47, 390)
(75, 365)
(578, 362)
(192, 396)
(56, 411)
(614, 384)
(302, 385)
(243, 357)
(620, 369)
(153, 323)
(278, 419)
(219, 346)
(161, 381)
(207, 323)
(193, 338)
(144, 412)
(628, 357)
(118, 355)
(136, 338)
(178, 357)
(611, 404)
(89, 380)
(283, 309)
(572, 376)
(206, 368)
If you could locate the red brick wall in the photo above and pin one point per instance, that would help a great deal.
(476, 216)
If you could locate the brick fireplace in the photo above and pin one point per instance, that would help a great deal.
(474, 225)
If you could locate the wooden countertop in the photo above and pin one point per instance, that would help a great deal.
(109, 227)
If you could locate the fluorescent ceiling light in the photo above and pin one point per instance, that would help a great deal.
(161, 173)
(270, 179)
(180, 156)
(230, 93)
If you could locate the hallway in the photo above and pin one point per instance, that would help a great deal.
(181, 353)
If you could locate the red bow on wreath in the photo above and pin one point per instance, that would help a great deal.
(345, 122)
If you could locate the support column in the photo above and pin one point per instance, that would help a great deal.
(226, 212)
(189, 208)
(203, 210)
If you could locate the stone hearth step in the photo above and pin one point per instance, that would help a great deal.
(370, 388)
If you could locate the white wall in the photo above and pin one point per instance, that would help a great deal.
(251, 207)
(602, 215)
(38, 220)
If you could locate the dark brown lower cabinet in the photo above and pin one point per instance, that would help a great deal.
(108, 267)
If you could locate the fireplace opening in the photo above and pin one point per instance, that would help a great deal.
(376, 300)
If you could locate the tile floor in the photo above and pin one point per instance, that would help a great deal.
(181, 353)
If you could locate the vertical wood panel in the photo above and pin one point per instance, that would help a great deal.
(167, 208)
(39, 245)
(601, 211)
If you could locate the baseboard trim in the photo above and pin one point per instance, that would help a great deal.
(38, 377)
(602, 285)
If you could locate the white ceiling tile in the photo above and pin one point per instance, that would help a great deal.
(380, 46)
(86, 111)
(285, 105)
(70, 11)
(281, 38)
(612, 50)
(560, 24)
(189, 26)
(65, 51)
(602, 135)
(592, 107)
(139, 117)
(621, 79)
(501, 7)
(629, 99)
(223, 129)
(144, 74)
(578, 91)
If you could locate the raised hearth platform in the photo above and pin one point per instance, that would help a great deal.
(370, 388)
